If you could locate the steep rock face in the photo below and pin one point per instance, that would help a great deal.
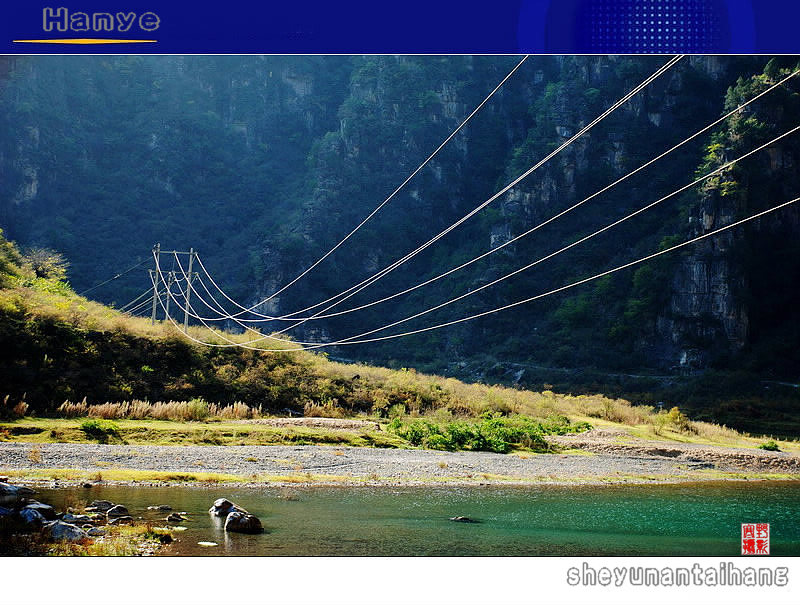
(707, 309)
(730, 292)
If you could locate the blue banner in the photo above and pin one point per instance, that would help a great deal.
(408, 27)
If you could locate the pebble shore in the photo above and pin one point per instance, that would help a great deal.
(389, 465)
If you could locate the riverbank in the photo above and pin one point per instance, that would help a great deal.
(594, 459)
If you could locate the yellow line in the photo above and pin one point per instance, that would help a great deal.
(82, 41)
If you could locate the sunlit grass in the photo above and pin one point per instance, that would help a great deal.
(166, 432)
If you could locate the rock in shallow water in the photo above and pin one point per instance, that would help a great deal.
(464, 520)
(175, 518)
(243, 523)
(99, 506)
(72, 518)
(11, 494)
(58, 530)
(223, 507)
(117, 511)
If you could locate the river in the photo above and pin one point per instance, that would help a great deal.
(677, 519)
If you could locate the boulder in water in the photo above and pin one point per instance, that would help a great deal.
(243, 522)
(117, 511)
(99, 506)
(72, 518)
(464, 520)
(175, 518)
(223, 507)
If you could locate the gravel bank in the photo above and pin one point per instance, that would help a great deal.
(360, 464)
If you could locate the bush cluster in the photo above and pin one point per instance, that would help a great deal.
(100, 429)
(493, 433)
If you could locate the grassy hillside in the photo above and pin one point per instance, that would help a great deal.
(66, 357)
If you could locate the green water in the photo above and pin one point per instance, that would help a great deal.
(686, 519)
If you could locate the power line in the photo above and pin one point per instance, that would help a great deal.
(581, 240)
(526, 300)
(380, 274)
(577, 283)
(393, 193)
(138, 307)
(117, 276)
(573, 244)
(560, 214)
(142, 295)
(366, 283)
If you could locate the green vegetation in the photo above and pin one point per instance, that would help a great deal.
(770, 446)
(493, 433)
(212, 432)
(100, 430)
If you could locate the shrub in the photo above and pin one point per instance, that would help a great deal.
(47, 264)
(770, 446)
(659, 422)
(100, 430)
(679, 420)
(197, 409)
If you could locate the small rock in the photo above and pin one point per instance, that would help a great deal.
(58, 530)
(207, 544)
(32, 516)
(99, 506)
(175, 518)
(164, 507)
(47, 511)
(95, 532)
(125, 520)
(87, 485)
(117, 511)
(243, 522)
(71, 518)
(463, 520)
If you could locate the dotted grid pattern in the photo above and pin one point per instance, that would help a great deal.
(654, 26)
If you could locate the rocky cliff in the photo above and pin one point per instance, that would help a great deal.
(265, 163)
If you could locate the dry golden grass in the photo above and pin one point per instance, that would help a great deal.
(384, 392)
(196, 409)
